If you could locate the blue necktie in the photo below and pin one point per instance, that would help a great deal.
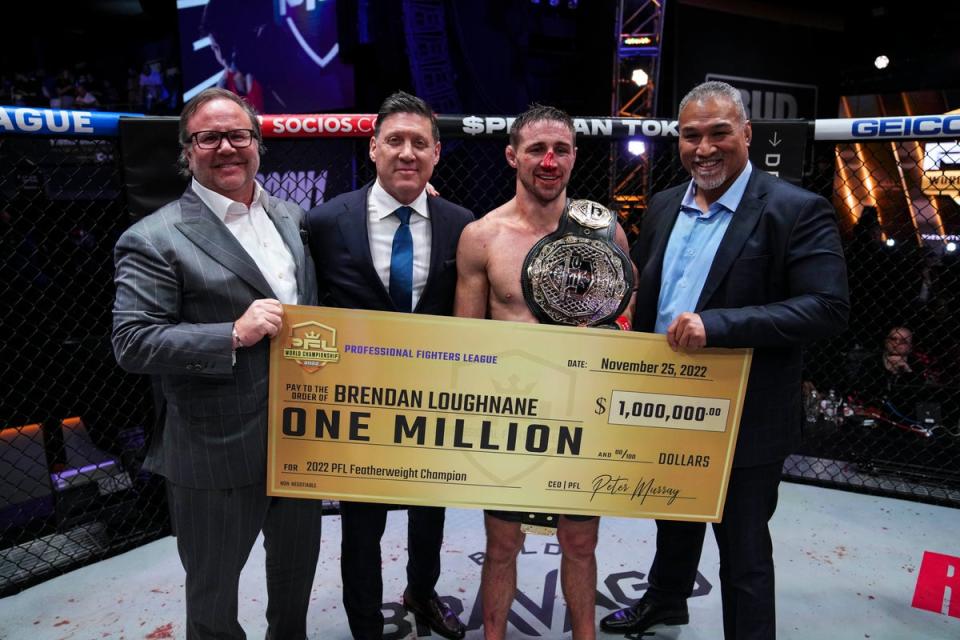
(401, 263)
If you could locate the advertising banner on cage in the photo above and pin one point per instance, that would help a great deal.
(97, 124)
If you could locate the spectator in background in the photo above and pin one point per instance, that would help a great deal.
(85, 99)
(895, 374)
(108, 97)
(31, 89)
(151, 87)
(898, 356)
(48, 87)
(868, 229)
(66, 89)
(172, 85)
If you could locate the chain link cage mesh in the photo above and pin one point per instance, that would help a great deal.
(72, 424)
(881, 403)
(882, 411)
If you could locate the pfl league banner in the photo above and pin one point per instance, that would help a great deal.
(101, 124)
(408, 409)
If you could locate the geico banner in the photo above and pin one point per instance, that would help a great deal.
(60, 121)
(932, 126)
(325, 125)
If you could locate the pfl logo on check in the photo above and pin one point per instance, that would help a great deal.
(312, 345)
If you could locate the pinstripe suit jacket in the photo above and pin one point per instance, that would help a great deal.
(182, 279)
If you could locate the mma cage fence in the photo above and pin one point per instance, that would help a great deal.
(74, 426)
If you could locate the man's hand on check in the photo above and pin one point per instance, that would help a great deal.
(686, 332)
(262, 318)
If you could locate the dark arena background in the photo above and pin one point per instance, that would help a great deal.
(858, 102)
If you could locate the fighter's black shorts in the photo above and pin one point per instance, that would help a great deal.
(537, 519)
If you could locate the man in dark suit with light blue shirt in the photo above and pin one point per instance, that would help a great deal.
(391, 247)
(200, 284)
(735, 258)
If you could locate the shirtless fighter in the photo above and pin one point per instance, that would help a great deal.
(490, 260)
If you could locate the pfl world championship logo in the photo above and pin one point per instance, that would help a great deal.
(312, 345)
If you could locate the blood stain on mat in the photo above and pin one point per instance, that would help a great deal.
(161, 632)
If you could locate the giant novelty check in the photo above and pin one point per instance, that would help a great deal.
(423, 410)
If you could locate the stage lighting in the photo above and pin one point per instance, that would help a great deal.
(881, 62)
(637, 147)
(890, 242)
(639, 77)
(951, 247)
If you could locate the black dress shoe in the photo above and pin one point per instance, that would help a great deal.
(437, 615)
(643, 615)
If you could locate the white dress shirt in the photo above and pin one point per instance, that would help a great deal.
(255, 231)
(382, 225)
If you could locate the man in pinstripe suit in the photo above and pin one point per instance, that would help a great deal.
(200, 284)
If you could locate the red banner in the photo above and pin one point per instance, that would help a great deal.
(938, 584)
(318, 125)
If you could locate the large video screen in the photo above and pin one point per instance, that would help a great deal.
(282, 56)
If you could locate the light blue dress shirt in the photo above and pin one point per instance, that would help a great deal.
(692, 247)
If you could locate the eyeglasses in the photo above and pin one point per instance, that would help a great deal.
(238, 138)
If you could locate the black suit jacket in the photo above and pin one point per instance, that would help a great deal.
(346, 275)
(778, 281)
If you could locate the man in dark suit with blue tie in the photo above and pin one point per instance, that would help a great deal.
(735, 258)
(200, 284)
(391, 247)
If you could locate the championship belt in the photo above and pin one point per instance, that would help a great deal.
(578, 275)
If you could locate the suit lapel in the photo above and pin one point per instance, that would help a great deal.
(665, 228)
(202, 227)
(665, 221)
(439, 240)
(290, 233)
(741, 226)
(352, 222)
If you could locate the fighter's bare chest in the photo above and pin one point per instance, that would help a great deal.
(505, 266)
